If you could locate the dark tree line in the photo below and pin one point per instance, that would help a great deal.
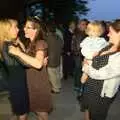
(60, 10)
(11, 8)
(65, 10)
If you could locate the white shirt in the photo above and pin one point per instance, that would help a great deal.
(109, 73)
(59, 33)
(91, 45)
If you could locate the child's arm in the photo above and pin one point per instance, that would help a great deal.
(84, 78)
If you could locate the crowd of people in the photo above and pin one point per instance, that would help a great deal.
(35, 64)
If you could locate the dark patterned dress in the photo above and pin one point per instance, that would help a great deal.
(16, 78)
(38, 84)
(98, 106)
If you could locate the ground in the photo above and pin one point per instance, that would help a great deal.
(65, 105)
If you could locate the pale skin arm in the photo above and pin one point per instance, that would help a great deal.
(36, 62)
(111, 70)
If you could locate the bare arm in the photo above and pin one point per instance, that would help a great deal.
(36, 62)
(109, 71)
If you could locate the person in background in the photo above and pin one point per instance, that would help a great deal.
(35, 57)
(16, 75)
(55, 45)
(78, 37)
(106, 29)
(59, 33)
(68, 63)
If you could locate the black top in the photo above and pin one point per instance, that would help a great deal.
(17, 86)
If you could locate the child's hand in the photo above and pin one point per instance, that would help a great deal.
(95, 54)
(85, 61)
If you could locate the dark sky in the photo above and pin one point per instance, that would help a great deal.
(104, 9)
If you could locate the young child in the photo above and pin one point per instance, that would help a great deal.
(92, 44)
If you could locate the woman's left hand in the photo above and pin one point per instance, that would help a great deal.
(45, 61)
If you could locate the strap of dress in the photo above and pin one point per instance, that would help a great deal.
(102, 60)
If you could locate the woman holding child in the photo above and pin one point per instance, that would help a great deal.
(104, 76)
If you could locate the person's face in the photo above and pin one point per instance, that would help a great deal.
(82, 25)
(114, 37)
(30, 30)
(72, 26)
(14, 30)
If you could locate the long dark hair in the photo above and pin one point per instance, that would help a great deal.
(37, 24)
(116, 25)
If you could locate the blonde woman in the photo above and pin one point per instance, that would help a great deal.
(15, 70)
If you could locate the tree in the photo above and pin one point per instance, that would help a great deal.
(10, 8)
(66, 10)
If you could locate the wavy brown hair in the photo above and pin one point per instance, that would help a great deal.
(37, 24)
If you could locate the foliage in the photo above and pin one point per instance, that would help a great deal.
(65, 10)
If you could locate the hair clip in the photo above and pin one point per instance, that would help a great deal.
(37, 18)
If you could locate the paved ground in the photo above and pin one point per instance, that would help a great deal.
(65, 106)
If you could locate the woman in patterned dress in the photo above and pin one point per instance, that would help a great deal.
(104, 76)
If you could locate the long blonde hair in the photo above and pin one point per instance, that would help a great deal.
(5, 25)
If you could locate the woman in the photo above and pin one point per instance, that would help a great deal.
(104, 76)
(37, 78)
(15, 70)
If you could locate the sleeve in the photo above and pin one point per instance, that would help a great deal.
(102, 43)
(86, 49)
(83, 43)
(41, 45)
(87, 53)
(112, 69)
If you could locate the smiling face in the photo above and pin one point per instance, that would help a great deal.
(30, 30)
(114, 36)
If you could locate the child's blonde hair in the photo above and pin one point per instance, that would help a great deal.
(94, 29)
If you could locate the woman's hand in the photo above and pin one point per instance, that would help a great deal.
(14, 50)
(45, 61)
